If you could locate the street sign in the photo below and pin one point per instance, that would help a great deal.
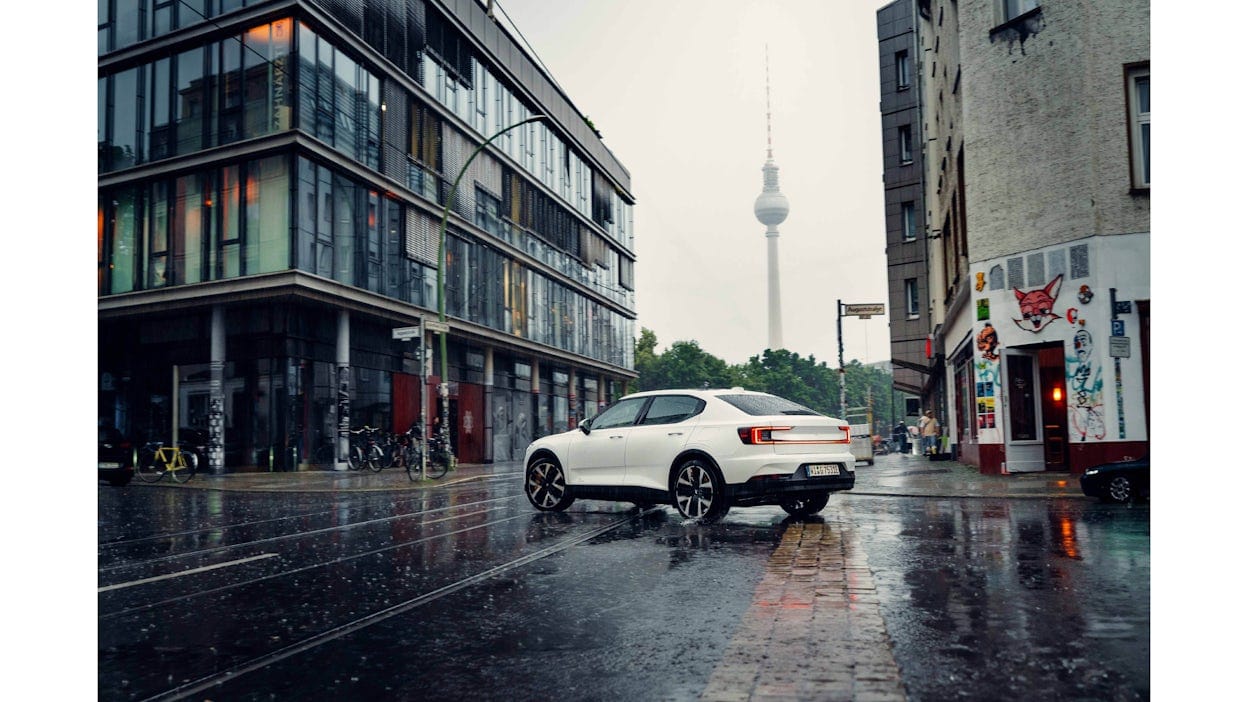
(1123, 307)
(405, 333)
(864, 311)
(437, 327)
(1120, 347)
(1119, 327)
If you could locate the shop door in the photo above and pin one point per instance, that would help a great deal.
(1024, 448)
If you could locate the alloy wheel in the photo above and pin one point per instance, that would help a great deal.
(1120, 489)
(695, 491)
(546, 487)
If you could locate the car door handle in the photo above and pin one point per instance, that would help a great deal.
(618, 436)
(675, 433)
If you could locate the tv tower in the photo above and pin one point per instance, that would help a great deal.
(771, 208)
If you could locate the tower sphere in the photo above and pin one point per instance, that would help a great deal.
(771, 208)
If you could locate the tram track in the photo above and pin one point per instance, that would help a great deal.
(337, 632)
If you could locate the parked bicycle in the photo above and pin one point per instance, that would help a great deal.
(156, 460)
(437, 463)
(365, 451)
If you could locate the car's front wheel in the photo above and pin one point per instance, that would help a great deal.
(804, 505)
(546, 486)
(698, 491)
(1120, 489)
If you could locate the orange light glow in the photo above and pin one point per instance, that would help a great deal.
(1057, 394)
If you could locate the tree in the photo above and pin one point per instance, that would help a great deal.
(807, 381)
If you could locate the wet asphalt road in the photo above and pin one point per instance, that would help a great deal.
(465, 591)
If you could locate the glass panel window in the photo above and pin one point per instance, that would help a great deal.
(229, 92)
(268, 216)
(188, 229)
(907, 221)
(902, 61)
(101, 124)
(912, 297)
(128, 24)
(125, 148)
(158, 274)
(160, 144)
(1013, 8)
(228, 264)
(190, 101)
(904, 144)
(1140, 103)
(125, 240)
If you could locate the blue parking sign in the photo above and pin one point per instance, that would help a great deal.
(1119, 327)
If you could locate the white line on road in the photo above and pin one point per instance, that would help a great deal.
(186, 572)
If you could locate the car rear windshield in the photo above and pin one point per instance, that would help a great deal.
(763, 405)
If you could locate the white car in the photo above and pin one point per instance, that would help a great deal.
(702, 451)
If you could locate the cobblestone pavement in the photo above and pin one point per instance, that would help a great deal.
(814, 630)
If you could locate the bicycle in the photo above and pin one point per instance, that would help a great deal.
(365, 453)
(156, 460)
(437, 464)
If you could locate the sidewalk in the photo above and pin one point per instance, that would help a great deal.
(892, 475)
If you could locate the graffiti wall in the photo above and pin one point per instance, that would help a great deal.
(1063, 294)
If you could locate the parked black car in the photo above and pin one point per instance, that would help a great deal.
(196, 442)
(116, 457)
(1121, 481)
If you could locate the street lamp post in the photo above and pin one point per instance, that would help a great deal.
(444, 386)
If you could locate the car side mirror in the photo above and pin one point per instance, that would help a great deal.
(584, 426)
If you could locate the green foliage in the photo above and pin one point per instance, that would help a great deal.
(777, 371)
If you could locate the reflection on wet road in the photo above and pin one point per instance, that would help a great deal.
(416, 595)
(1012, 599)
(467, 591)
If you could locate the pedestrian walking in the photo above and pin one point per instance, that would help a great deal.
(929, 429)
(899, 437)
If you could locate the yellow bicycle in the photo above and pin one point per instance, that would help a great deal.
(156, 460)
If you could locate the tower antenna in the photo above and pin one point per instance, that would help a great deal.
(767, 69)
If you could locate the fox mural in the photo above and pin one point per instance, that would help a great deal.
(1036, 306)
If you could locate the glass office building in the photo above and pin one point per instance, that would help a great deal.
(272, 180)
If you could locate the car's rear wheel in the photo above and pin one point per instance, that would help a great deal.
(1120, 489)
(698, 491)
(546, 486)
(804, 505)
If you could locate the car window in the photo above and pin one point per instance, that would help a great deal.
(621, 414)
(763, 405)
(669, 409)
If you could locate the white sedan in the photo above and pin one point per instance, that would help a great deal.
(702, 451)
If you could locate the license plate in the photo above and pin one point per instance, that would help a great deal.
(819, 470)
(109, 464)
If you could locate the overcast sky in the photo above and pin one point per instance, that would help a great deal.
(678, 91)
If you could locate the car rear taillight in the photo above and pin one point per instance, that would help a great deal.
(768, 435)
(759, 435)
(125, 444)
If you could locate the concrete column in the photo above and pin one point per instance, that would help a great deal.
(343, 408)
(775, 334)
(602, 392)
(216, 392)
(487, 432)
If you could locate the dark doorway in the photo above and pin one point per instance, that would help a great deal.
(1052, 359)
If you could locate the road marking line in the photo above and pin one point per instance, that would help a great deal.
(186, 572)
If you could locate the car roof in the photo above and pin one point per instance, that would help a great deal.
(696, 392)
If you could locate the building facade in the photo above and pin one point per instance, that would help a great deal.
(1035, 122)
(272, 180)
(905, 215)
